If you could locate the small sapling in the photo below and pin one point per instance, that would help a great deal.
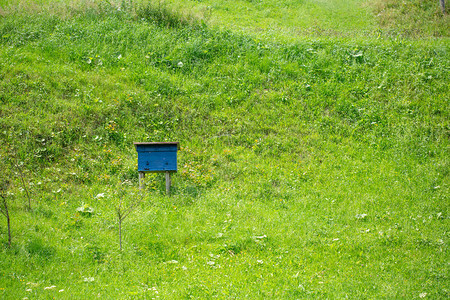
(4, 184)
(123, 212)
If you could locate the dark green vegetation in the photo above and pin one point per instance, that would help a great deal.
(310, 168)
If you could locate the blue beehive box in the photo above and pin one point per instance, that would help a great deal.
(157, 157)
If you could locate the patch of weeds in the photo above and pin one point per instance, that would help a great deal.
(107, 8)
(197, 169)
(115, 136)
(266, 192)
(162, 15)
(362, 217)
(242, 245)
(36, 247)
(391, 240)
(298, 293)
(162, 251)
(191, 191)
(429, 243)
(85, 210)
(46, 213)
(129, 174)
(282, 203)
(74, 222)
(412, 18)
(96, 254)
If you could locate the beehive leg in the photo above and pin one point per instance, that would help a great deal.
(141, 180)
(168, 183)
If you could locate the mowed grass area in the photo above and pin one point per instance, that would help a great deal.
(314, 160)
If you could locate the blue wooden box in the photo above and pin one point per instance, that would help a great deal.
(157, 157)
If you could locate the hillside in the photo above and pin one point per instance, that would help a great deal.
(314, 149)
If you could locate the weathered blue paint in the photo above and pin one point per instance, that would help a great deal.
(157, 157)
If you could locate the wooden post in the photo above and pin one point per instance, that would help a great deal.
(168, 183)
(141, 180)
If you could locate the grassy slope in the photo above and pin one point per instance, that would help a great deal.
(309, 168)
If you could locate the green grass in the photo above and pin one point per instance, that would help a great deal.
(314, 160)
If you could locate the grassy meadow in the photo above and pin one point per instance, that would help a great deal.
(314, 158)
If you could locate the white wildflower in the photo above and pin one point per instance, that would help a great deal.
(172, 261)
(50, 287)
(361, 216)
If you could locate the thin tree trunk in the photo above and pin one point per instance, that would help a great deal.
(120, 234)
(16, 165)
(122, 214)
(443, 6)
(9, 228)
(25, 187)
(8, 221)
